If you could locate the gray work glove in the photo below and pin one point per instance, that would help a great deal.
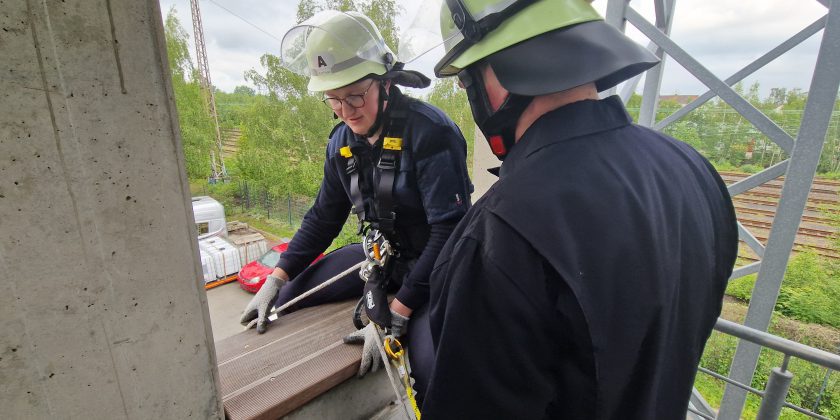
(256, 313)
(371, 359)
(399, 324)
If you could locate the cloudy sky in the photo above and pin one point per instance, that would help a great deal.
(723, 35)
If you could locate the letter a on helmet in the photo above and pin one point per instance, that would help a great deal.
(335, 49)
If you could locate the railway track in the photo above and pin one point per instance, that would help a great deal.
(756, 210)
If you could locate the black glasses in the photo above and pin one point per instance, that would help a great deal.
(353, 101)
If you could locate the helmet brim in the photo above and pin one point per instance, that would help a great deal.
(568, 57)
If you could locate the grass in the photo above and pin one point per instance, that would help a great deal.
(808, 377)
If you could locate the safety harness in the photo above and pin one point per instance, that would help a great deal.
(382, 216)
(377, 226)
(373, 205)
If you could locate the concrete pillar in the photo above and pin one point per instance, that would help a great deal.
(483, 159)
(102, 314)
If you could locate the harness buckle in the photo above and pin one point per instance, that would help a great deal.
(386, 224)
(387, 161)
(351, 165)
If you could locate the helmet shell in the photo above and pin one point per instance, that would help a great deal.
(541, 17)
(546, 47)
(335, 49)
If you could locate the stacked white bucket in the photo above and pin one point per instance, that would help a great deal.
(224, 247)
(219, 258)
(222, 257)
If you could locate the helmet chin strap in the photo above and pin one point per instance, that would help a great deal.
(498, 126)
(377, 123)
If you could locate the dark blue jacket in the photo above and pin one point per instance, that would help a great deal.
(585, 283)
(432, 188)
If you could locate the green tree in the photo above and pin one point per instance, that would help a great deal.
(305, 10)
(384, 14)
(452, 100)
(244, 90)
(197, 130)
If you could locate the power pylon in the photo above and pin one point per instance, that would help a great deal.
(218, 168)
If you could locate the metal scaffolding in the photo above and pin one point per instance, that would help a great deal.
(217, 163)
(798, 170)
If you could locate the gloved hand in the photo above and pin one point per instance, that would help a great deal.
(371, 359)
(256, 313)
(399, 324)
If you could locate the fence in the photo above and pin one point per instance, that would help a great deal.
(285, 208)
(775, 392)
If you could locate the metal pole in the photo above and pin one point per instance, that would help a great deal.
(615, 16)
(822, 390)
(289, 197)
(653, 78)
(775, 394)
(800, 175)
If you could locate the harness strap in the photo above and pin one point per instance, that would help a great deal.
(387, 169)
(355, 193)
(388, 166)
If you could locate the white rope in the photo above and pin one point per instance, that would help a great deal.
(317, 288)
(387, 362)
(379, 345)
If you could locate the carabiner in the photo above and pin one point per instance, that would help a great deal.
(391, 352)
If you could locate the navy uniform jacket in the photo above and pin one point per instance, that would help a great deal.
(431, 188)
(585, 283)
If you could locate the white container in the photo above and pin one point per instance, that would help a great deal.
(251, 244)
(223, 255)
(209, 217)
(207, 266)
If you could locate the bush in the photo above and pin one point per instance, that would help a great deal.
(741, 288)
(809, 292)
(807, 381)
(750, 168)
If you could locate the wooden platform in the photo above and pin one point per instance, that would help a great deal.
(300, 357)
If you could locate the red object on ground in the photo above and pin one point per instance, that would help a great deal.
(252, 275)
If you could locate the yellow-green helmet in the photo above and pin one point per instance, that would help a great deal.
(335, 49)
(534, 46)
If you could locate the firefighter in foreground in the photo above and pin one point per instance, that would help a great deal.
(397, 162)
(585, 283)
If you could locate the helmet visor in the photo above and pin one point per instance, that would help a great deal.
(331, 42)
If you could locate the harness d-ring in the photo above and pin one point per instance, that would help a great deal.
(393, 354)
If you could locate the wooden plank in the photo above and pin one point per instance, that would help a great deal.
(301, 356)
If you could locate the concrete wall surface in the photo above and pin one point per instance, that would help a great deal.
(103, 314)
(483, 159)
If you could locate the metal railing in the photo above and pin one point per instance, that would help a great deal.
(773, 397)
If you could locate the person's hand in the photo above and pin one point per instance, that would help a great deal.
(399, 324)
(369, 337)
(400, 315)
(256, 313)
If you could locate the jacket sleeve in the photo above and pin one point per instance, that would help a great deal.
(414, 291)
(441, 171)
(321, 224)
(445, 187)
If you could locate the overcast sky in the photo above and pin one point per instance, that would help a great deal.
(724, 35)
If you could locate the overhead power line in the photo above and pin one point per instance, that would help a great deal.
(245, 20)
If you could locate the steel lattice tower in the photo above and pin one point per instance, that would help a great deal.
(219, 170)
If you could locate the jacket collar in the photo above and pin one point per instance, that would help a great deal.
(576, 119)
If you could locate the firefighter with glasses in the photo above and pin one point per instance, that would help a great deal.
(395, 162)
(585, 283)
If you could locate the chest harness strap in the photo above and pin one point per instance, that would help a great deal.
(383, 216)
